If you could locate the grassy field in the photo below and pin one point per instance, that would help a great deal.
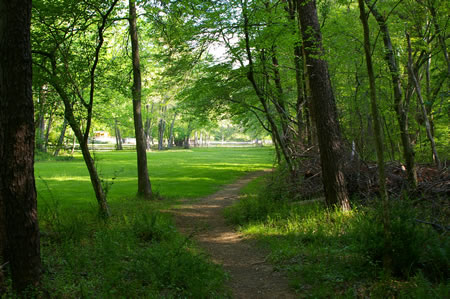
(173, 174)
(137, 253)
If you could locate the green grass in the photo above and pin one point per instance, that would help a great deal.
(174, 174)
(137, 253)
(333, 254)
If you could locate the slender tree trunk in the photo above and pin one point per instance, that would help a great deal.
(324, 108)
(169, 145)
(441, 36)
(161, 128)
(119, 145)
(292, 7)
(41, 121)
(148, 127)
(387, 256)
(400, 109)
(144, 186)
(18, 214)
(251, 77)
(309, 115)
(47, 131)
(422, 105)
(61, 138)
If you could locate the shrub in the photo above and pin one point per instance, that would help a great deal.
(414, 245)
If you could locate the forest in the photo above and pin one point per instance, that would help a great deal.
(224, 149)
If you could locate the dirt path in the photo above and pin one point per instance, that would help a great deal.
(250, 275)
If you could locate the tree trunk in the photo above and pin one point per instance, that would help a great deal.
(324, 108)
(195, 139)
(47, 131)
(387, 256)
(422, 105)
(169, 144)
(161, 128)
(41, 121)
(260, 94)
(402, 113)
(148, 127)
(144, 186)
(61, 138)
(18, 214)
(119, 146)
(440, 34)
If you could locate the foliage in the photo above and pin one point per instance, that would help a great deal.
(337, 254)
(137, 253)
(414, 246)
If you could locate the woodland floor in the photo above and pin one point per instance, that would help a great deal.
(250, 275)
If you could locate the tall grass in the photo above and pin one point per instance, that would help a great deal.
(331, 253)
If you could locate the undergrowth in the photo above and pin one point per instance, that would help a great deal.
(137, 253)
(331, 253)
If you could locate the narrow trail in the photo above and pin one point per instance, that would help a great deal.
(250, 275)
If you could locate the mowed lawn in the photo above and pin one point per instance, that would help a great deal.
(173, 174)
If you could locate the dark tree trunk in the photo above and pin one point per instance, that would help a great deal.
(18, 214)
(144, 186)
(400, 107)
(161, 128)
(324, 108)
(119, 146)
(61, 138)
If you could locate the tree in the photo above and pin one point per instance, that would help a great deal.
(387, 259)
(144, 186)
(66, 71)
(401, 107)
(18, 214)
(324, 107)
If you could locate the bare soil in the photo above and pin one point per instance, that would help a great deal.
(251, 276)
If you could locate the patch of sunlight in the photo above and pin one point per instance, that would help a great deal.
(182, 179)
(68, 178)
(261, 229)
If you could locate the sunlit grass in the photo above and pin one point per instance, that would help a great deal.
(323, 250)
(173, 174)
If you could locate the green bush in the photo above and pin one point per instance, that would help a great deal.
(415, 246)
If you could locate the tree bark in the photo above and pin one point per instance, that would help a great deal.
(18, 214)
(400, 109)
(144, 186)
(324, 108)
